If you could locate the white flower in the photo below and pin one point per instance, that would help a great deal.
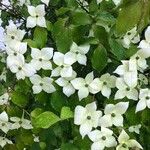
(36, 16)
(125, 143)
(68, 89)
(142, 80)
(144, 101)
(113, 114)
(13, 35)
(36, 138)
(63, 69)
(83, 85)
(117, 2)
(108, 82)
(45, 2)
(135, 128)
(20, 122)
(130, 37)
(87, 117)
(40, 84)
(41, 58)
(24, 2)
(140, 60)
(4, 99)
(99, 1)
(4, 124)
(17, 65)
(125, 91)
(145, 44)
(4, 141)
(128, 70)
(102, 139)
(3, 75)
(77, 53)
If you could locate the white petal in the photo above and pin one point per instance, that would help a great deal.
(97, 146)
(123, 137)
(31, 10)
(147, 34)
(83, 93)
(4, 116)
(70, 58)
(91, 107)
(84, 48)
(40, 10)
(41, 22)
(61, 81)
(58, 58)
(45, 2)
(46, 65)
(78, 83)
(117, 120)
(106, 91)
(35, 53)
(121, 107)
(89, 78)
(132, 94)
(120, 94)
(56, 72)
(36, 79)
(49, 88)
(66, 71)
(36, 89)
(105, 121)
(31, 22)
(109, 108)
(141, 105)
(29, 70)
(94, 135)
(120, 84)
(68, 90)
(47, 53)
(82, 59)
(134, 143)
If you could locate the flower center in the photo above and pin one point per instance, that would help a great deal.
(88, 117)
(124, 145)
(129, 33)
(40, 59)
(127, 89)
(19, 68)
(105, 83)
(12, 37)
(113, 115)
(3, 124)
(103, 138)
(137, 57)
(77, 52)
(86, 85)
(147, 97)
(41, 84)
(15, 54)
(20, 122)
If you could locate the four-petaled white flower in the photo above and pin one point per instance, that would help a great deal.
(144, 101)
(128, 71)
(4, 99)
(4, 141)
(41, 58)
(5, 126)
(125, 143)
(36, 16)
(63, 69)
(77, 53)
(145, 44)
(135, 128)
(40, 84)
(102, 139)
(87, 117)
(17, 65)
(125, 91)
(83, 85)
(20, 123)
(130, 37)
(68, 89)
(140, 60)
(113, 114)
(13, 34)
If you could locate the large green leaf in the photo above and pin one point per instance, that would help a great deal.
(129, 16)
(66, 113)
(99, 58)
(45, 120)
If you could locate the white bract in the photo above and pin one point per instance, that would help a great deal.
(40, 84)
(4, 124)
(41, 58)
(113, 114)
(117, 2)
(77, 53)
(144, 101)
(45, 2)
(87, 117)
(125, 143)
(24, 2)
(68, 89)
(36, 16)
(13, 34)
(4, 99)
(130, 37)
(17, 65)
(128, 71)
(125, 91)
(145, 44)
(63, 69)
(83, 85)
(20, 123)
(102, 139)
(135, 128)
(4, 141)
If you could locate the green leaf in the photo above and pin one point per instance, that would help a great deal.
(117, 49)
(62, 35)
(40, 37)
(129, 16)
(99, 58)
(69, 146)
(31, 43)
(80, 18)
(66, 113)
(36, 112)
(19, 99)
(45, 120)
